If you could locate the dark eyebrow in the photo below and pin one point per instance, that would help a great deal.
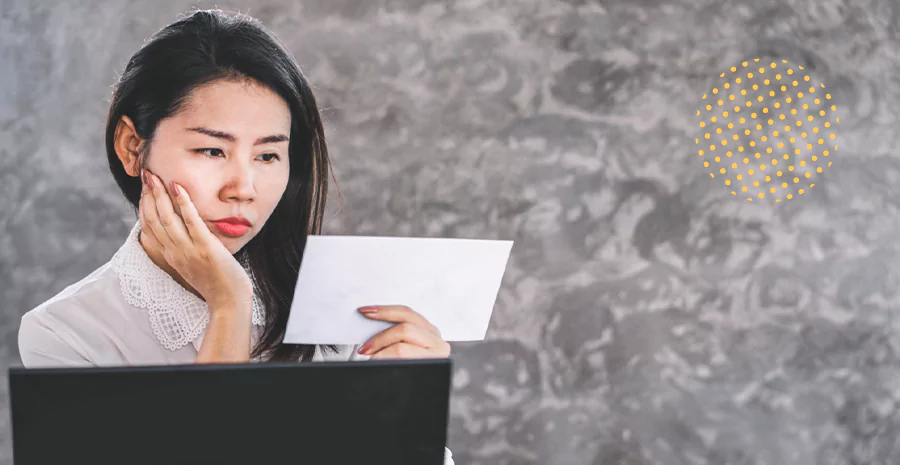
(230, 138)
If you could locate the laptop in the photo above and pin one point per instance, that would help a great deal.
(361, 412)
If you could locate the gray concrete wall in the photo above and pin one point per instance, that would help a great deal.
(646, 316)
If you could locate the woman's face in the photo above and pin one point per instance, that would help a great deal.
(229, 149)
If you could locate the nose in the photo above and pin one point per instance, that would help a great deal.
(238, 183)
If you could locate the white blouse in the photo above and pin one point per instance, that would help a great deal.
(130, 312)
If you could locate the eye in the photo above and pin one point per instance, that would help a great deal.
(204, 151)
(272, 155)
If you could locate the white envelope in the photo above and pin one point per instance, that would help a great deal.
(453, 283)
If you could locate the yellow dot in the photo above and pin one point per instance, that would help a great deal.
(718, 130)
(720, 103)
(730, 125)
(742, 120)
(831, 136)
(739, 177)
(790, 71)
(812, 90)
(725, 114)
(800, 191)
(827, 124)
(790, 196)
(744, 64)
(741, 148)
(727, 85)
(816, 130)
(784, 88)
(803, 135)
(779, 173)
(712, 175)
(768, 178)
(806, 106)
(802, 162)
(749, 75)
(770, 122)
(778, 76)
(708, 107)
(818, 170)
(769, 150)
(735, 137)
(765, 110)
(701, 153)
(728, 154)
(733, 165)
(760, 98)
(759, 127)
(757, 155)
(805, 78)
(766, 82)
(771, 93)
(761, 195)
(828, 96)
(743, 91)
(787, 128)
(822, 113)
(698, 112)
(834, 108)
(777, 105)
(746, 160)
(733, 69)
(837, 120)
(738, 80)
(788, 100)
(722, 170)
(809, 146)
(737, 108)
(781, 145)
(783, 185)
(747, 132)
(809, 117)
(786, 156)
(793, 111)
(821, 141)
(799, 94)
(814, 158)
(762, 70)
(706, 164)
(755, 86)
(799, 123)
(713, 119)
(727, 182)
(794, 83)
(706, 135)
(796, 151)
(752, 143)
(772, 190)
(712, 147)
(817, 101)
(781, 116)
(744, 189)
(749, 103)
(750, 172)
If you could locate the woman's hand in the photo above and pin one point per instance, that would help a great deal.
(190, 248)
(412, 337)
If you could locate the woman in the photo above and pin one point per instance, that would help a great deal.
(214, 136)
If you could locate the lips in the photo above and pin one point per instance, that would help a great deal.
(233, 226)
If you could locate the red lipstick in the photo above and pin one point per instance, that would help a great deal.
(233, 226)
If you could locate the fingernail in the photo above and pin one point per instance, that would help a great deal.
(174, 189)
(369, 309)
(143, 176)
(365, 348)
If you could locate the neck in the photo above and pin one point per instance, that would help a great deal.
(156, 255)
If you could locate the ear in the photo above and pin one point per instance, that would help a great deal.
(128, 146)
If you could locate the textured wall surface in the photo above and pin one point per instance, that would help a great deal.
(646, 316)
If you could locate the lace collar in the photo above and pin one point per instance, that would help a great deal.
(177, 316)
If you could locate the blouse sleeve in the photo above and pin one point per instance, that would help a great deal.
(42, 346)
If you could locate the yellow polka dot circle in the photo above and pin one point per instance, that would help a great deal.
(767, 130)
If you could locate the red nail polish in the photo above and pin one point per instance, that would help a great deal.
(362, 350)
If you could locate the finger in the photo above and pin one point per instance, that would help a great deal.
(151, 215)
(195, 226)
(403, 350)
(169, 220)
(398, 314)
(402, 332)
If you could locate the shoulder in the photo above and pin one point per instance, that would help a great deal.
(56, 329)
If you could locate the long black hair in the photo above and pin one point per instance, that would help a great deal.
(211, 45)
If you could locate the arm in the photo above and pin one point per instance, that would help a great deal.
(41, 346)
(227, 338)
